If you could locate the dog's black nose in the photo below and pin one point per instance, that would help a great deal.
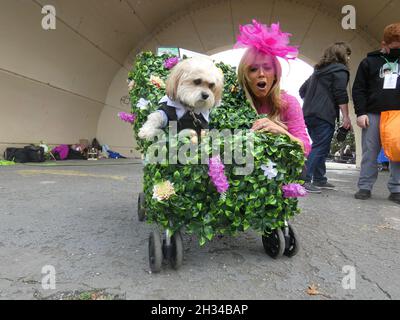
(205, 96)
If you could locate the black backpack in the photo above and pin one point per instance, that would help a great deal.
(9, 153)
(18, 155)
(26, 154)
(34, 154)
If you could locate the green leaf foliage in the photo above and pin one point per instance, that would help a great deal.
(252, 200)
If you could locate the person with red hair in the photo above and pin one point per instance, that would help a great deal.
(376, 92)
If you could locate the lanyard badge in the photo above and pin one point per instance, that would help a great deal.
(390, 72)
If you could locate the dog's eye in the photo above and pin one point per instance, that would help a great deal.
(197, 82)
(211, 86)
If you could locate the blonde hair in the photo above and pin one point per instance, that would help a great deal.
(274, 95)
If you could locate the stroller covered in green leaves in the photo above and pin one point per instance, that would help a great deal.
(260, 195)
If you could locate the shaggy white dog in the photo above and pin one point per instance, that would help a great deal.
(193, 87)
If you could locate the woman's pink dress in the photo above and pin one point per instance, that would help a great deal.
(292, 116)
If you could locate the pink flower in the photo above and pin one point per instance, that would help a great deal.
(127, 117)
(216, 172)
(171, 62)
(293, 190)
(269, 40)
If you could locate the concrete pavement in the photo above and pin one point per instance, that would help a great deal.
(82, 220)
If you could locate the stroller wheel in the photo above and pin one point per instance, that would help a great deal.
(293, 245)
(177, 250)
(141, 209)
(274, 243)
(155, 252)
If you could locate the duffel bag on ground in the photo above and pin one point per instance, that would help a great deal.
(9, 154)
(18, 155)
(35, 154)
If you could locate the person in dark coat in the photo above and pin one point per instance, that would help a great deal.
(376, 90)
(324, 94)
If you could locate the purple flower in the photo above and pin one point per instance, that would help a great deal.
(171, 62)
(127, 117)
(216, 172)
(293, 190)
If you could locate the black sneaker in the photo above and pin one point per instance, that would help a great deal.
(310, 188)
(363, 194)
(395, 197)
(323, 185)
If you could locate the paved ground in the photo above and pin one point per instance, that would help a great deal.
(82, 220)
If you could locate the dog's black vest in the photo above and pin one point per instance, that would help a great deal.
(189, 120)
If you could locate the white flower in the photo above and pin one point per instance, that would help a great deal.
(142, 104)
(269, 170)
(157, 81)
(163, 190)
(131, 84)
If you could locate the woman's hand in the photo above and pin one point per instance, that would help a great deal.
(346, 123)
(268, 125)
(277, 127)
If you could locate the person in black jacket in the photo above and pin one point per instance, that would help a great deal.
(324, 93)
(377, 89)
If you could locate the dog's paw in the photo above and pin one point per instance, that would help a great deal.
(147, 133)
(144, 134)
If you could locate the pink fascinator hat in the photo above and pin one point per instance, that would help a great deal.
(268, 40)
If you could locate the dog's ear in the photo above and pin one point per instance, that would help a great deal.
(171, 85)
(219, 87)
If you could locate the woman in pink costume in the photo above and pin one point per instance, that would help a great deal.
(259, 74)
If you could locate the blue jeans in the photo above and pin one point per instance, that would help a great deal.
(321, 133)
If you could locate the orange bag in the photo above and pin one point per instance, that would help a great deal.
(390, 134)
